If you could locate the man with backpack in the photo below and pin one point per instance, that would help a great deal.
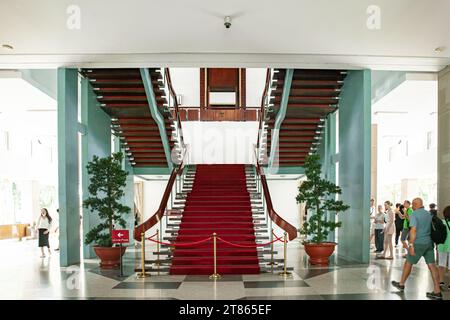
(421, 245)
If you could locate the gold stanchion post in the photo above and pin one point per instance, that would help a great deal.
(285, 273)
(215, 275)
(143, 274)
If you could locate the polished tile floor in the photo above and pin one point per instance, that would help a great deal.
(24, 275)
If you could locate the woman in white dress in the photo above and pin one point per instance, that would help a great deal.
(388, 231)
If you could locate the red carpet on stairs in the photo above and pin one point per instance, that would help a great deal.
(219, 202)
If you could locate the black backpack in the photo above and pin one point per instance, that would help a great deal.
(438, 230)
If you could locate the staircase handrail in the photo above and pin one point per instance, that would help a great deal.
(158, 215)
(274, 216)
(175, 104)
(263, 104)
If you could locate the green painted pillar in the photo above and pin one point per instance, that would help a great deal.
(95, 140)
(354, 165)
(68, 182)
(128, 199)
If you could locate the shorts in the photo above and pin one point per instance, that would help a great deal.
(422, 250)
(444, 259)
(405, 235)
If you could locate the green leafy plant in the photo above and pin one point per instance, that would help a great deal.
(106, 183)
(319, 196)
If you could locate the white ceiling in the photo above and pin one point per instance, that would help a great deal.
(24, 106)
(297, 33)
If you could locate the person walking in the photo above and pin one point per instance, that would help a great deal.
(388, 232)
(405, 232)
(379, 226)
(43, 226)
(372, 221)
(444, 251)
(420, 245)
(398, 221)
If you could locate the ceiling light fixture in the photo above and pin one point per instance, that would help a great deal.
(7, 46)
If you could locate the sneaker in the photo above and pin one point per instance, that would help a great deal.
(434, 296)
(398, 286)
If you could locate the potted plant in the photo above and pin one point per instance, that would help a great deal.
(106, 183)
(318, 194)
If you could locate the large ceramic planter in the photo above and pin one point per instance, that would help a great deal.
(319, 253)
(109, 256)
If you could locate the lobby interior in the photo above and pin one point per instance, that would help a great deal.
(214, 120)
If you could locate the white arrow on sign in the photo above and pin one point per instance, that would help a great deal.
(120, 235)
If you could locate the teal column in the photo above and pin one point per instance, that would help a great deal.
(354, 165)
(327, 152)
(332, 156)
(95, 140)
(128, 199)
(68, 180)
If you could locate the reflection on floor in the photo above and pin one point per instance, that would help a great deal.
(23, 275)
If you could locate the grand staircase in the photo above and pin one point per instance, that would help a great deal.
(221, 199)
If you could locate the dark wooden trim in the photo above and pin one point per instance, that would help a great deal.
(202, 88)
(243, 89)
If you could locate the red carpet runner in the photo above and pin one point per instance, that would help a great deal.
(219, 202)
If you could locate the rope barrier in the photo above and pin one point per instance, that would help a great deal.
(181, 244)
(152, 236)
(277, 237)
(247, 246)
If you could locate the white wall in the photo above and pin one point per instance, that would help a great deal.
(220, 142)
(255, 82)
(153, 192)
(283, 193)
(186, 82)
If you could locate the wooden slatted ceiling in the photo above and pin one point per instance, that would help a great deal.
(121, 94)
(313, 95)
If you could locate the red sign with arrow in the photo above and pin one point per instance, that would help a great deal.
(120, 236)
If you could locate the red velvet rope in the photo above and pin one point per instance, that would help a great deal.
(152, 236)
(278, 238)
(247, 246)
(219, 238)
(181, 244)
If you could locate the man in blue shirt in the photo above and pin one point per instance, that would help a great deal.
(420, 245)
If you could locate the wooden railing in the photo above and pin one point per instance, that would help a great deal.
(175, 104)
(263, 104)
(279, 221)
(158, 215)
